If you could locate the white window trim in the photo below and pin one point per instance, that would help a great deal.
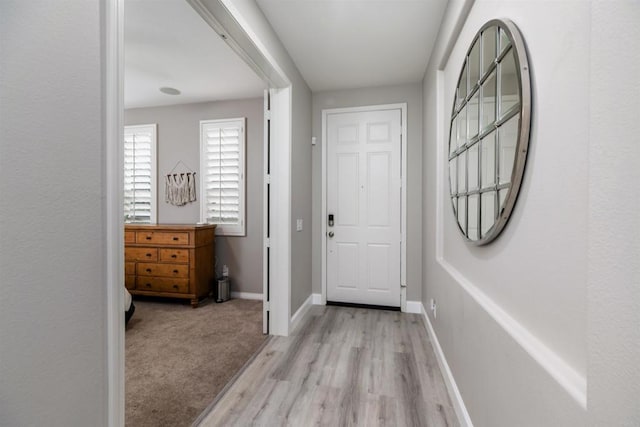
(226, 229)
(154, 168)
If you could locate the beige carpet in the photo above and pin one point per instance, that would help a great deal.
(178, 358)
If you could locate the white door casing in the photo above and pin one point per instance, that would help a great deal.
(363, 193)
(265, 211)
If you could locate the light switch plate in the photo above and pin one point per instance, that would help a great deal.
(299, 225)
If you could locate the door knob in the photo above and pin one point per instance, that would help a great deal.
(330, 234)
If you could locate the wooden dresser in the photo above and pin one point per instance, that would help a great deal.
(175, 261)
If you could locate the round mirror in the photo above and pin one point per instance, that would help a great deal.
(489, 133)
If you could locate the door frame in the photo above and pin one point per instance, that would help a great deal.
(403, 193)
(113, 83)
(225, 19)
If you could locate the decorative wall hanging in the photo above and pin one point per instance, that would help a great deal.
(489, 133)
(180, 188)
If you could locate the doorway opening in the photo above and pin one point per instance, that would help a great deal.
(277, 120)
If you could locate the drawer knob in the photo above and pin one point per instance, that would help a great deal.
(148, 237)
(148, 270)
(175, 238)
(174, 256)
(149, 255)
(175, 286)
(148, 285)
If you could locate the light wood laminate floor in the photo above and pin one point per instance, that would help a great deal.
(341, 367)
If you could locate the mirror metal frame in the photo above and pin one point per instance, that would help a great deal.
(518, 48)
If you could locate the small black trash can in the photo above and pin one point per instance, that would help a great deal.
(222, 289)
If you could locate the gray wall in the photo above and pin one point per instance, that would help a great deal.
(179, 139)
(534, 310)
(613, 290)
(52, 239)
(300, 149)
(412, 95)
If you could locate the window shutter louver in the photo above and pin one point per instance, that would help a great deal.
(222, 169)
(139, 174)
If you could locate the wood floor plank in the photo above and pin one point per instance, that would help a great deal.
(409, 390)
(321, 409)
(430, 376)
(386, 415)
(258, 406)
(342, 367)
(239, 396)
(270, 412)
(350, 405)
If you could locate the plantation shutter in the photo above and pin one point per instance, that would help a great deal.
(222, 172)
(139, 173)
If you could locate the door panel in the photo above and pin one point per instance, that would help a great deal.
(348, 190)
(379, 132)
(363, 194)
(378, 189)
(379, 271)
(347, 134)
(347, 265)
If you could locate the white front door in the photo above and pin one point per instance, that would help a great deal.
(364, 200)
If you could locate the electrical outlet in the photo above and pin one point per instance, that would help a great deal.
(434, 308)
(225, 271)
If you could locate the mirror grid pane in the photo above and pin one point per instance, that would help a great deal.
(462, 214)
(489, 41)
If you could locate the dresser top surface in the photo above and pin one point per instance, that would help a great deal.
(185, 227)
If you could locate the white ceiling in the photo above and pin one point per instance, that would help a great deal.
(168, 44)
(336, 44)
(341, 44)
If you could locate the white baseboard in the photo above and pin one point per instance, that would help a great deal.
(246, 295)
(317, 299)
(414, 307)
(299, 314)
(452, 388)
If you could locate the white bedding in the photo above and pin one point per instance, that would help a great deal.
(127, 300)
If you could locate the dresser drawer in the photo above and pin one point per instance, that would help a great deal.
(130, 281)
(174, 255)
(162, 237)
(140, 254)
(129, 236)
(129, 268)
(163, 270)
(162, 284)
